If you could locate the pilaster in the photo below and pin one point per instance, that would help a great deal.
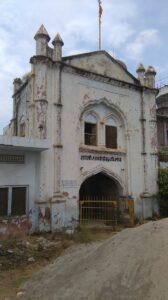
(57, 146)
(40, 103)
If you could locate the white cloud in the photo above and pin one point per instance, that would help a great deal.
(145, 39)
(118, 35)
(77, 22)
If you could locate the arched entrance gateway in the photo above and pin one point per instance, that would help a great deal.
(99, 199)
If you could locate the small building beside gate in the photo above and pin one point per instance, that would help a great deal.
(101, 124)
(19, 183)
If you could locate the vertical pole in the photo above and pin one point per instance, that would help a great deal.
(100, 14)
(80, 216)
(99, 32)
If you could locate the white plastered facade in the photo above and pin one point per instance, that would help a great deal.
(61, 94)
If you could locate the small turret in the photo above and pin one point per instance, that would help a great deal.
(141, 73)
(57, 43)
(16, 84)
(42, 38)
(150, 77)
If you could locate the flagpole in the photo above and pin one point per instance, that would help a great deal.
(100, 33)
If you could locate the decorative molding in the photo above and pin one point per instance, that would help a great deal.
(102, 150)
(57, 146)
(153, 121)
(41, 100)
(42, 59)
(32, 105)
(101, 169)
(105, 79)
(98, 77)
(119, 113)
(58, 104)
(115, 117)
(146, 195)
(92, 113)
(58, 201)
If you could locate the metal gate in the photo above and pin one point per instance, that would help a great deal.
(106, 211)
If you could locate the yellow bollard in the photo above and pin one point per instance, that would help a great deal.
(131, 211)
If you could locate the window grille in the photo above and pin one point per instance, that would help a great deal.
(3, 201)
(90, 134)
(13, 201)
(12, 159)
(18, 201)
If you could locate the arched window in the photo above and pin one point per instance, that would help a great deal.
(90, 130)
(111, 133)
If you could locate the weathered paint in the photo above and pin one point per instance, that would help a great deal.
(15, 226)
(61, 95)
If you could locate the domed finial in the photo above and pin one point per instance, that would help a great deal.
(42, 38)
(141, 73)
(150, 77)
(140, 68)
(151, 70)
(57, 52)
(58, 40)
(42, 32)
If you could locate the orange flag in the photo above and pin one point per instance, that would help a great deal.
(100, 9)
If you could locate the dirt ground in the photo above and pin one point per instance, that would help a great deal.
(131, 265)
(20, 258)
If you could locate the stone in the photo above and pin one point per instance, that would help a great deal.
(31, 259)
(10, 251)
(70, 231)
(20, 293)
(44, 243)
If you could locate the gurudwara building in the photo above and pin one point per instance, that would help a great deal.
(83, 127)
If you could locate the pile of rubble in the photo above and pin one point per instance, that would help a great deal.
(16, 252)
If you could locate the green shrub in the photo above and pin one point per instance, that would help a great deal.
(163, 191)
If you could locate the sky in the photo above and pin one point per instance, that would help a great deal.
(132, 30)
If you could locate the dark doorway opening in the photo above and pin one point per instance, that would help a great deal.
(99, 186)
(99, 197)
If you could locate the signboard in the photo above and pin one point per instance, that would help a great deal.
(105, 158)
(69, 183)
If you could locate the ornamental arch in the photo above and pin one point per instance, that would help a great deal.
(103, 120)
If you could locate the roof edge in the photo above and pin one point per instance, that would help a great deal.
(104, 52)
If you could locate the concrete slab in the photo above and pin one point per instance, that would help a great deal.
(23, 143)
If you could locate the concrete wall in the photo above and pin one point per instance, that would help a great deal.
(62, 95)
(77, 92)
(21, 175)
(137, 170)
